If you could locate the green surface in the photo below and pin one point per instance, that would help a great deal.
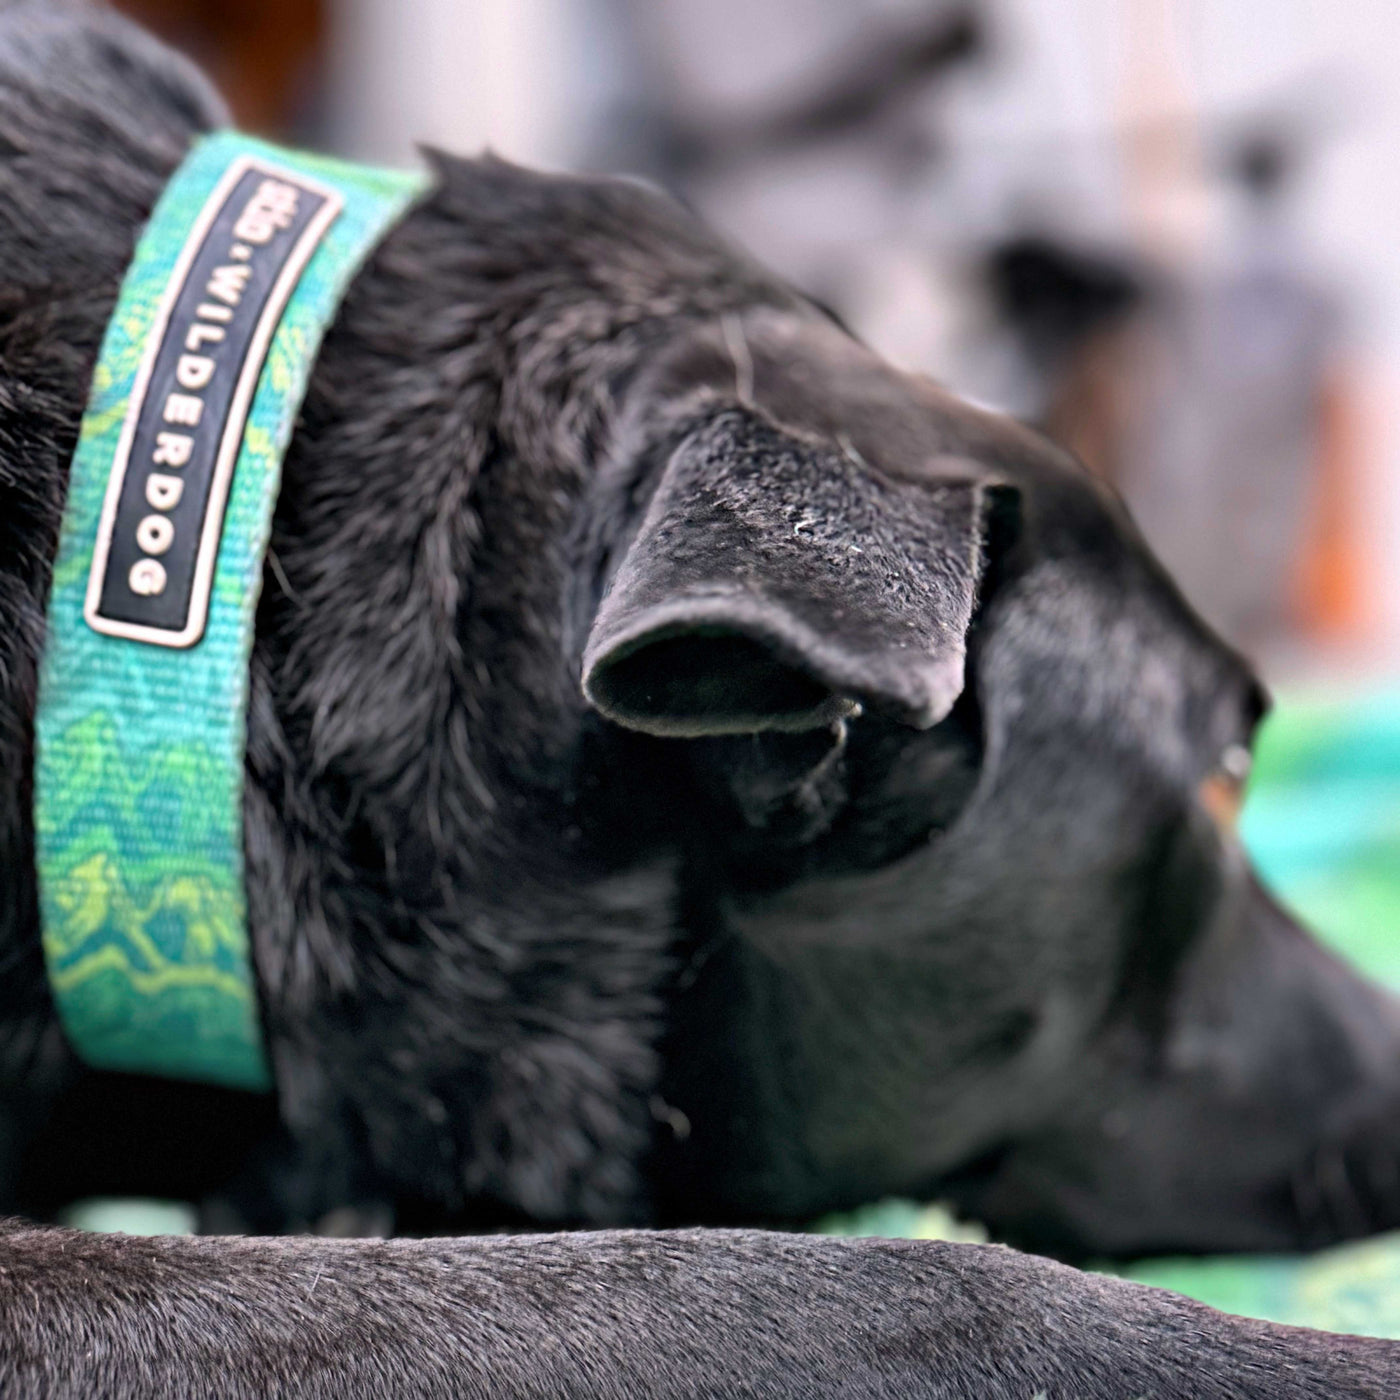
(131, 1215)
(1323, 825)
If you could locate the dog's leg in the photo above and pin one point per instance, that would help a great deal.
(626, 1314)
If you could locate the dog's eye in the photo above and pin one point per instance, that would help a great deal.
(1221, 791)
(1235, 763)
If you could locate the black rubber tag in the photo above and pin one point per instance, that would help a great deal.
(153, 565)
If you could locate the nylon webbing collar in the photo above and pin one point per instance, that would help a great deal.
(140, 729)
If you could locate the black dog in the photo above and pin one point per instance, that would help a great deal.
(695, 774)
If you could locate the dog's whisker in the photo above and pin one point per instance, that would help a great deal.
(738, 345)
(275, 564)
(1348, 1214)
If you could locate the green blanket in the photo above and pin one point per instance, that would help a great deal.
(1323, 824)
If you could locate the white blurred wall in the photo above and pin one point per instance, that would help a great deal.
(461, 74)
(1061, 75)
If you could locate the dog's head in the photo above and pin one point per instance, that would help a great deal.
(968, 910)
(600, 553)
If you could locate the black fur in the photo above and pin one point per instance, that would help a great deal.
(695, 773)
(628, 1315)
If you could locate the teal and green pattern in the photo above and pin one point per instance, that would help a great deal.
(140, 748)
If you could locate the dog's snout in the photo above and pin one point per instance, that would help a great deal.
(1269, 1118)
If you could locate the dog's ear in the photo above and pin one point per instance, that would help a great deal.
(779, 582)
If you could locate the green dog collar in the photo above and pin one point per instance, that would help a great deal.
(140, 729)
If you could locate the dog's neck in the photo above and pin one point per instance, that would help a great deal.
(415, 715)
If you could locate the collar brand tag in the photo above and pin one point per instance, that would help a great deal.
(153, 563)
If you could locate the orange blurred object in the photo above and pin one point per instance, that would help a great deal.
(1329, 594)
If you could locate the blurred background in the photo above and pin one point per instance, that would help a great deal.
(1163, 229)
